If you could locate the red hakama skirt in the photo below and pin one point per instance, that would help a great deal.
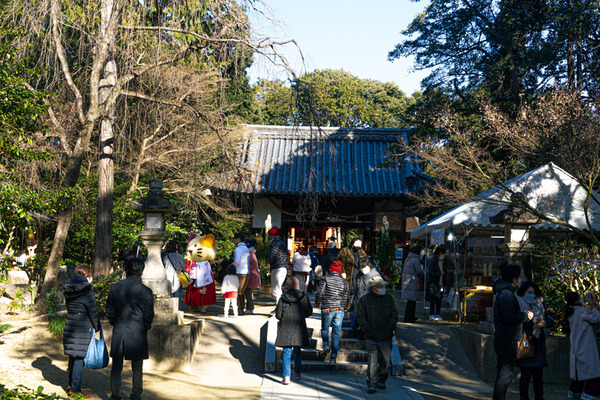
(194, 298)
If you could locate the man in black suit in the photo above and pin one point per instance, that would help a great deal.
(130, 309)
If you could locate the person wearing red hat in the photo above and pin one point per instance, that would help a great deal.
(278, 262)
(332, 295)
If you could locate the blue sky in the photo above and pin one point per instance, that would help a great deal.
(352, 35)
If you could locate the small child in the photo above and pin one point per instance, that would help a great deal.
(229, 290)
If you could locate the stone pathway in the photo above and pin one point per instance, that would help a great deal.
(334, 386)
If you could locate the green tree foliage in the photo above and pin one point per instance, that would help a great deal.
(22, 142)
(275, 103)
(510, 49)
(332, 98)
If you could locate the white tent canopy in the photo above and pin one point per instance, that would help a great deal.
(549, 189)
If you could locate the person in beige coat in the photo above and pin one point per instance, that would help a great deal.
(411, 276)
(584, 358)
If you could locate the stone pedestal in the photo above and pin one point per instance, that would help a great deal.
(170, 347)
(166, 308)
(154, 241)
(515, 252)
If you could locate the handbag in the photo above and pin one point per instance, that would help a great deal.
(433, 293)
(97, 353)
(184, 279)
(525, 348)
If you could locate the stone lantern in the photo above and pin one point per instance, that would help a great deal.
(154, 206)
(516, 223)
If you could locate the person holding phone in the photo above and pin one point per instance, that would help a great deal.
(584, 358)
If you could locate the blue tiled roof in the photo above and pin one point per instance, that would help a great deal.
(326, 161)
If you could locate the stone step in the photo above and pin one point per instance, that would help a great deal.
(345, 344)
(340, 366)
(344, 333)
(486, 327)
(343, 355)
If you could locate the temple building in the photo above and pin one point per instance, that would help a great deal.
(315, 183)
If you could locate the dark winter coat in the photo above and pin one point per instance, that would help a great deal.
(508, 317)
(333, 291)
(329, 257)
(433, 271)
(377, 316)
(278, 254)
(292, 310)
(130, 309)
(538, 343)
(362, 285)
(82, 316)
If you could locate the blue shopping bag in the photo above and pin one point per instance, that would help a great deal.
(97, 353)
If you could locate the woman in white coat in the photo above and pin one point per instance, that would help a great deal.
(584, 360)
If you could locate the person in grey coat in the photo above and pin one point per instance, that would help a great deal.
(411, 286)
(82, 316)
(292, 310)
(130, 309)
(584, 358)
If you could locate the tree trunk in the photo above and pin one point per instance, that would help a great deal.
(104, 211)
(570, 66)
(58, 247)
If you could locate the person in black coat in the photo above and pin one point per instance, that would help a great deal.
(508, 323)
(292, 310)
(82, 316)
(130, 309)
(331, 254)
(530, 299)
(435, 274)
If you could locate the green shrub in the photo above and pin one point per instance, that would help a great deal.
(52, 304)
(561, 267)
(4, 327)
(56, 326)
(20, 303)
(102, 286)
(23, 393)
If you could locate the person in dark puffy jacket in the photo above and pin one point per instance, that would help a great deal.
(82, 316)
(292, 310)
(508, 324)
(333, 298)
(278, 262)
(377, 316)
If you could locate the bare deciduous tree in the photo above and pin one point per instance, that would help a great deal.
(471, 155)
(142, 41)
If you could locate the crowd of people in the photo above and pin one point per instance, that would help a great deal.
(346, 286)
(520, 320)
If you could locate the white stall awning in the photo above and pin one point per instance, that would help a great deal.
(549, 189)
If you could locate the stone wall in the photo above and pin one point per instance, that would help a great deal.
(479, 347)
